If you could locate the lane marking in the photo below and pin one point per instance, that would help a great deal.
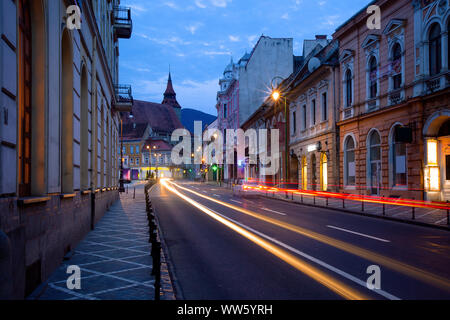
(216, 195)
(441, 221)
(359, 234)
(407, 269)
(269, 210)
(235, 201)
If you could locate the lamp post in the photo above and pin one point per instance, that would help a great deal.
(277, 95)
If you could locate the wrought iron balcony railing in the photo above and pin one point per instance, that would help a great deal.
(123, 24)
(123, 98)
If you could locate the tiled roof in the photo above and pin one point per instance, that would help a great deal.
(161, 118)
(133, 131)
(156, 145)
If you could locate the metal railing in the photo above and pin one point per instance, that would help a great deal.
(123, 94)
(123, 23)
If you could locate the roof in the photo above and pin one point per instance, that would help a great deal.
(160, 117)
(156, 145)
(170, 97)
(133, 131)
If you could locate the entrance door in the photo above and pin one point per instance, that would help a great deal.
(375, 177)
(375, 163)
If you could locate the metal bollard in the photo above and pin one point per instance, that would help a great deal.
(343, 203)
(362, 205)
(413, 212)
(134, 193)
(327, 200)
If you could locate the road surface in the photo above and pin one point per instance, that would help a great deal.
(223, 246)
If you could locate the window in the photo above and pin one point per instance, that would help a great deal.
(137, 149)
(137, 161)
(348, 88)
(350, 164)
(435, 53)
(324, 107)
(399, 166)
(304, 117)
(225, 111)
(131, 161)
(313, 112)
(131, 150)
(373, 77)
(294, 122)
(397, 66)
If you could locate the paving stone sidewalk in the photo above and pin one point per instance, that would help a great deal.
(114, 258)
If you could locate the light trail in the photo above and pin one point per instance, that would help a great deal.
(333, 284)
(401, 267)
(354, 197)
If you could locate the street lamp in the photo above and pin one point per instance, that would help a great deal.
(276, 96)
(121, 186)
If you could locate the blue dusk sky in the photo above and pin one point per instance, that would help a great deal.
(198, 37)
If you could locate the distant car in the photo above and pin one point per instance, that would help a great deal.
(247, 188)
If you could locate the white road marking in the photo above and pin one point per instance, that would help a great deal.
(235, 201)
(441, 221)
(216, 195)
(280, 213)
(359, 234)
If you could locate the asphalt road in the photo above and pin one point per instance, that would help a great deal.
(223, 246)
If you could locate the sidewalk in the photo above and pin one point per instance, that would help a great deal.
(114, 259)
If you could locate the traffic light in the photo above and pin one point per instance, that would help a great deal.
(214, 168)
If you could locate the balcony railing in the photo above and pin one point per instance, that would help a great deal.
(123, 25)
(123, 98)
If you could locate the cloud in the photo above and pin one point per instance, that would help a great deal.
(171, 5)
(234, 38)
(215, 3)
(285, 16)
(194, 27)
(331, 21)
(137, 9)
(216, 53)
(200, 4)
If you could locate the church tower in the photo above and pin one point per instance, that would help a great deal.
(170, 98)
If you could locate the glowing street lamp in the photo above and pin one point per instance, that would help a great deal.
(276, 95)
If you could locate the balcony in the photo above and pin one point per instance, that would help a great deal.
(123, 101)
(123, 25)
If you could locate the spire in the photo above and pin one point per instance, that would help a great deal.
(170, 97)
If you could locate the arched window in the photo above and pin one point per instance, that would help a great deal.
(398, 154)
(348, 88)
(435, 53)
(397, 66)
(374, 164)
(349, 162)
(373, 77)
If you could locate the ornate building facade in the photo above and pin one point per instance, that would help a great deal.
(393, 110)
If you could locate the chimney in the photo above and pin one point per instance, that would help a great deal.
(321, 37)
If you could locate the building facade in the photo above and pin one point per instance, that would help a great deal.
(59, 132)
(393, 108)
(313, 134)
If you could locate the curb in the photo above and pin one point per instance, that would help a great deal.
(170, 289)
